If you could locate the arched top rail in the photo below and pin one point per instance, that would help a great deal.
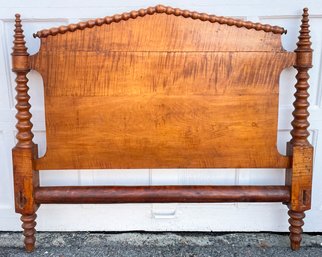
(155, 10)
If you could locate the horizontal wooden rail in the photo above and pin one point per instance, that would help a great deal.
(161, 194)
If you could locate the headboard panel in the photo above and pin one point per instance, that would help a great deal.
(161, 91)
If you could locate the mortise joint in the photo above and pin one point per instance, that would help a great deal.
(306, 197)
(21, 200)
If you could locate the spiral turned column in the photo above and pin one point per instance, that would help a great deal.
(303, 52)
(20, 66)
(28, 225)
(296, 223)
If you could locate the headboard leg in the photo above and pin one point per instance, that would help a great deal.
(299, 178)
(296, 223)
(28, 225)
(26, 179)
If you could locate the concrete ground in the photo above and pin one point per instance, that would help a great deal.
(160, 244)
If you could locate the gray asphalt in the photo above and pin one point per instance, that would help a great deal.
(160, 244)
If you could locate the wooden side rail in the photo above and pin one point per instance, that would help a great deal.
(161, 194)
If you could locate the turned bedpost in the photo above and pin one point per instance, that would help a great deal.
(303, 52)
(20, 65)
(299, 177)
(25, 151)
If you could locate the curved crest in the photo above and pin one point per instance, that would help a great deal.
(159, 9)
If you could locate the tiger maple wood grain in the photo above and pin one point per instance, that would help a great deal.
(161, 109)
(161, 92)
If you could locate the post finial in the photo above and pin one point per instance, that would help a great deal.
(303, 52)
(304, 43)
(19, 43)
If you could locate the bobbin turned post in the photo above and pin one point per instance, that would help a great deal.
(299, 177)
(25, 151)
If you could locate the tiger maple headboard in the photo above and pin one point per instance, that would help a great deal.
(161, 88)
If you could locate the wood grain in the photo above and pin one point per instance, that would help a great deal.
(197, 110)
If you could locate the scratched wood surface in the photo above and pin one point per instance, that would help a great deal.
(161, 91)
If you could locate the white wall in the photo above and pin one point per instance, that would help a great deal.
(39, 14)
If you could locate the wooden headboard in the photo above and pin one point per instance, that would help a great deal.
(161, 88)
(157, 89)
